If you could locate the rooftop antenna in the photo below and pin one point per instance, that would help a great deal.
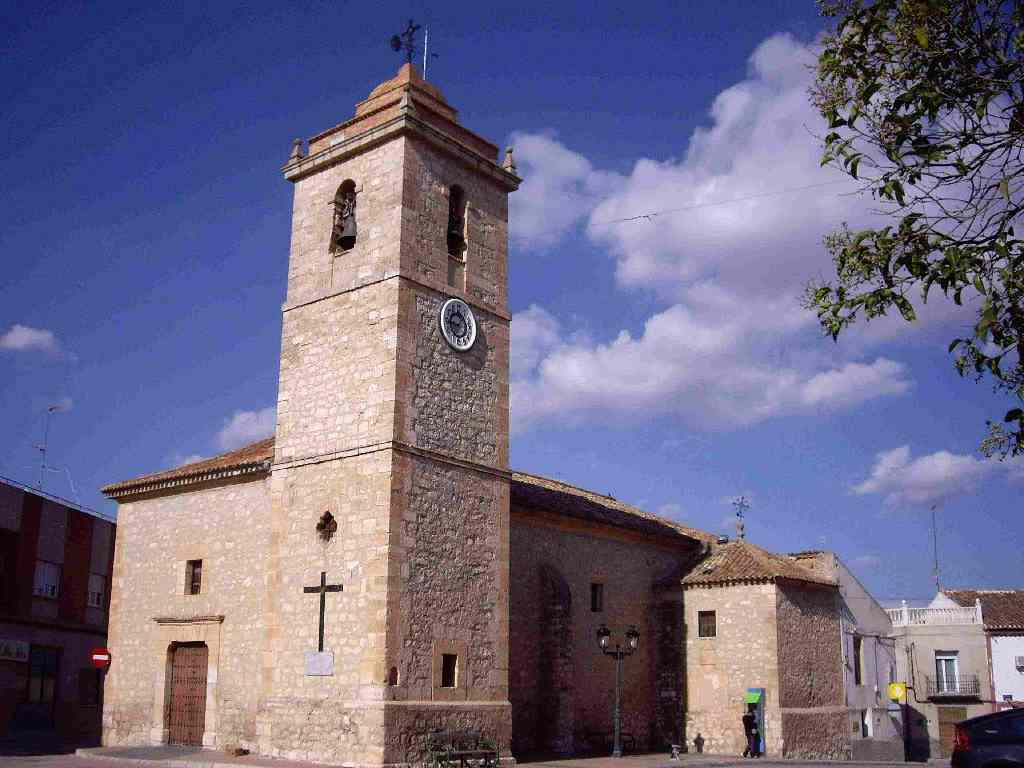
(42, 448)
(426, 57)
(742, 505)
(935, 550)
(406, 41)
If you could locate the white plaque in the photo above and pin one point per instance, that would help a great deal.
(320, 663)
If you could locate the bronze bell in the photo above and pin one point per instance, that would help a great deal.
(347, 235)
(455, 239)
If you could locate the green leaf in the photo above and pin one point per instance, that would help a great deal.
(922, 36)
(1014, 414)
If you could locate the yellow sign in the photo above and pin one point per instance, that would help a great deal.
(898, 692)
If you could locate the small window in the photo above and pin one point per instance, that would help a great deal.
(47, 580)
(42, 675)
(193, 577)
(449, 670)
(706, 624)
(89, 687)
(596, 597)
(456, 234)
(858, 655)
(97, 590)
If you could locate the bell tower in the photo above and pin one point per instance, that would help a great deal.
(393, 418)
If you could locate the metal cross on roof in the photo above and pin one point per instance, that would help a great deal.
(742, 505)
(406, 41)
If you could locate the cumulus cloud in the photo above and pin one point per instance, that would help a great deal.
(907, 481)
(731, 345)
(24, 338)
(245, 427)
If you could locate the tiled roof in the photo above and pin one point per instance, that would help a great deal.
(528, 491)
(535, 492)
(1000, 608)
(251, 458)
(743, 562)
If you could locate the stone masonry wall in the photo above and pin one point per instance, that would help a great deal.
(815, 721)
(570, 710)
(227, 527)
(719, 670)
(337, 717)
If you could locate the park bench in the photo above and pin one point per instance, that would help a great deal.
(464, 749)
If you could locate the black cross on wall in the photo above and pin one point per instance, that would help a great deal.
(323, 588)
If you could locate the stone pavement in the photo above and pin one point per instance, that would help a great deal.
(191, 757)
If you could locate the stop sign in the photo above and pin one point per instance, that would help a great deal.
(100, 658)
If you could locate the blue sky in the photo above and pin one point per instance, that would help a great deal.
(664, 361)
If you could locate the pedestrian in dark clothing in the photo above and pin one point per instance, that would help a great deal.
(750, 731)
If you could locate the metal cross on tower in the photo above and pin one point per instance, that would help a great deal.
(323, 588)
(406, 41)
(742, 505)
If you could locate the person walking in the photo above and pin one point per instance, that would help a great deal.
(753, 736)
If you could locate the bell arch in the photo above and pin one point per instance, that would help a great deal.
(344, 230)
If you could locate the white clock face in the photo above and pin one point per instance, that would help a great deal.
(458, 324)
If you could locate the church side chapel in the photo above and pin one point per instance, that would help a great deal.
(375, 572)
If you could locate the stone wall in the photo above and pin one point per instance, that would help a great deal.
(743, 654)
(226, 526)
(561, 685)
(815, 720)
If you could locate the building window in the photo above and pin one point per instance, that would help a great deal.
(858, 655)
(89, 686)
(596, 598)
(47, 580)
(193, 577)
(449, 670)
(706, 624)
(865, 723)
(97, 590)
(947, 671)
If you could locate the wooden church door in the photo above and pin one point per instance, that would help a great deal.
(186, 711)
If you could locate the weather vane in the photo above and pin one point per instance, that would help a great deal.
(742, 505)
(406, 41)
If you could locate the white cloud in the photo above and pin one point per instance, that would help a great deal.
(672, 510)
(179, 460)
(247, 427)
(23, 338)
(906, 481)
(732, 345)
(64, 404)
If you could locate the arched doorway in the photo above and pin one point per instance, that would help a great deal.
(556, 701)
(186, 701)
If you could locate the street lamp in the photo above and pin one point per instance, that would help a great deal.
(604, 640)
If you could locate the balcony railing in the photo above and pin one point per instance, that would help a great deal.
(920, 617)
(962, 686)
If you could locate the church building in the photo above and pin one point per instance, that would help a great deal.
(375, 571)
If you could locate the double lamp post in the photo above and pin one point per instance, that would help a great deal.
(604, 641)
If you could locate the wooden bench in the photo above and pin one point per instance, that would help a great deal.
(465, 749)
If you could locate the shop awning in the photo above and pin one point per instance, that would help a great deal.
(753, 697)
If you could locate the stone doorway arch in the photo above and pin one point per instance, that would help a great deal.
(556, 702)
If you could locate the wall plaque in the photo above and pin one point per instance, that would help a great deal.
(319, 663)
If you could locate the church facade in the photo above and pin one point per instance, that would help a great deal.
(375, 571)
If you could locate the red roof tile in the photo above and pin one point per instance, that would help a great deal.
(743, 562)
(1001, 609)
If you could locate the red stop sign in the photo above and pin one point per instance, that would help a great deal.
(100, 658)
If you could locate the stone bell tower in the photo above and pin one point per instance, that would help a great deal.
(392, 435)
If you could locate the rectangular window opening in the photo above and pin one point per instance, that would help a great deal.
(706, 624)
(97, 590)
(193, 577)
(449, 670)
(47, 580)
(858, 655)
(596, 598)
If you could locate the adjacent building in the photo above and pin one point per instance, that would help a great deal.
(55, 567)
(942, 653)
(1002, 616)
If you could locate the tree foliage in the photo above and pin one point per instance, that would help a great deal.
(924, 101)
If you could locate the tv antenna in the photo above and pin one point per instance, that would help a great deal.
(935, 551)
(42, 448)
(742, 505)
